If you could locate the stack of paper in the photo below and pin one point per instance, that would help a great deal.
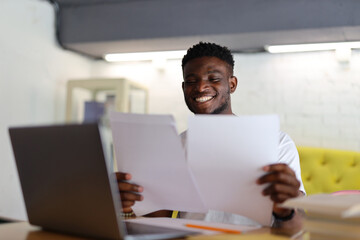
(330, 216)
(225, 157)
(205, 228)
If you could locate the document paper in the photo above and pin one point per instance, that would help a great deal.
(181, 224)
(148, 147)
(226, 154)
(225, 157)
(326, 204)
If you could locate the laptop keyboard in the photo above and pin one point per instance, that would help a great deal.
(140, 229)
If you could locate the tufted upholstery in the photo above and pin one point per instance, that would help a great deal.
(329, 170)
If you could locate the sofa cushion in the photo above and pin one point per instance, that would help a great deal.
(329, 170)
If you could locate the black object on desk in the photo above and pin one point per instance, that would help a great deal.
(67, 185)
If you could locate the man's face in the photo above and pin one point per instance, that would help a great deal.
(207, 85)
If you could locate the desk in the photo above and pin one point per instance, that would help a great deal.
(25, 231)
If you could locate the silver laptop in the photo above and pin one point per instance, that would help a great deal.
(68, 187)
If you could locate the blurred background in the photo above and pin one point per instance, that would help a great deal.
(45, 45)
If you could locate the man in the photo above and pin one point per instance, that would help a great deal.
(208, 83)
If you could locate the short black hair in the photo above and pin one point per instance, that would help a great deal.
(206, 49)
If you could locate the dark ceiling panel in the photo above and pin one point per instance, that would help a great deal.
(97, 27)
(83, 2)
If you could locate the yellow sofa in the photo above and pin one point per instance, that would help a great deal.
(329, 170)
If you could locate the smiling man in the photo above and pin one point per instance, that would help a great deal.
(208, 84)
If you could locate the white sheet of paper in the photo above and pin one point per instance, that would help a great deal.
(148, 147)
(226, 154)
(338, 205)
(180, 224)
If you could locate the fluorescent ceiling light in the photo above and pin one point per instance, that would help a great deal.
(144, 56)
(311, 47)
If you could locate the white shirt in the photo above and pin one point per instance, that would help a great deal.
(288, 154)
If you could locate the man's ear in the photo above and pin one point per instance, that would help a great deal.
(232, 83)
(183, 85)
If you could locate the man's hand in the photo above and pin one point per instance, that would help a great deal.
(283, 185)
(129, 192)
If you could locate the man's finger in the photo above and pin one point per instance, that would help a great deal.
(129, 187)
(120, 176)
(279, 198)
(128, 196)
(279, 167)
(127, 210)
(279, 177)
(126, 204)
(280, 189)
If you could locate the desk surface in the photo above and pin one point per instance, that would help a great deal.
(25, 231)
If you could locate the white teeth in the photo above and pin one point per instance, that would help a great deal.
(203, 99)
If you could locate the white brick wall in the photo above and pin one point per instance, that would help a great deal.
(317, 99)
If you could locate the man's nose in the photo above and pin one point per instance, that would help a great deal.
(202, 85)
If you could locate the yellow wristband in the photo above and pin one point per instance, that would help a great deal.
(174, 214)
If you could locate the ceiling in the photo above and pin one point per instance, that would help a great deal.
(83, 2)
(98, 27)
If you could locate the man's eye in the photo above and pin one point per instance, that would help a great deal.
(191, 81)
(215, 79)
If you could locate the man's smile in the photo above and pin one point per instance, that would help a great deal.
(204, 99)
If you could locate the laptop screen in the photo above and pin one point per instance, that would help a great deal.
(65, 180)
